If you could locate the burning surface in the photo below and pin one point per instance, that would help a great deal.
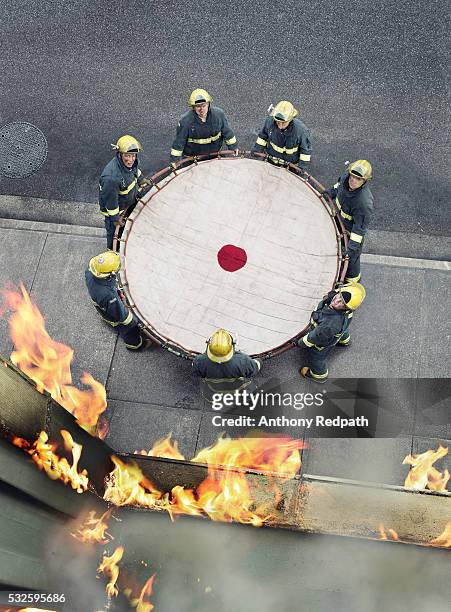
(423, 475)
(56, 468)
(48, 362)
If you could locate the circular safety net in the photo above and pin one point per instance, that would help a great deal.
(229, 242)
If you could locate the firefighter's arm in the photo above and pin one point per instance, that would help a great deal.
(361, 220)
(318, 337)
(227, 132)
(109, 189)
(305, 150)
(262, 139)
(179, 143)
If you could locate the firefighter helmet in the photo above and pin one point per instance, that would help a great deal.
(104, 264)
(361, 169)
(284, 111)
(127, 144)
(353, 295)
(220, 346)
(199, 96)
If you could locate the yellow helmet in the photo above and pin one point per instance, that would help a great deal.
(104, 264)
(220, 346)
(284, 111)
(361, 169)
(199, 96)
(353, 295)
(127, 144)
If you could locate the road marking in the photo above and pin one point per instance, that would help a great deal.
(406, 262)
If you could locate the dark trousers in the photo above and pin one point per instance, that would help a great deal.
(130, 333)
(110, 229)
(317, 360)
(353, 271)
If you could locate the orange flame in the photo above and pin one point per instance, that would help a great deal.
(55, 467)
(225, 495)
(444, 539)
(422, 475)
(385, 535)
(110, 567)
(94, 529)
(47, 362)
(140, 603)
(163, 448)
(127, 485)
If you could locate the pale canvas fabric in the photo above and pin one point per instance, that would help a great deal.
(170, 255)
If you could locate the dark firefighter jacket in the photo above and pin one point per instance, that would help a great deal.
(355, 208)
(118, 187)
(104, 293)
(194, 137)
(289, 145)
(232, 374)
(327, 325)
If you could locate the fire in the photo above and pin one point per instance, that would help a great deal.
(390, 533)
(55, 467)
(444, 539)
(164, 448)
(94, 529)
(110, 567)
(127, 485)
(140, 603)
(279, 454)
(423, 475)
(47, 362)
(225, 495)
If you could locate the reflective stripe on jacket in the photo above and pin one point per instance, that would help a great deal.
(289, 145)
(355, 208)
(195, 137)
(118, 186)
(104, 293)
(328, 325)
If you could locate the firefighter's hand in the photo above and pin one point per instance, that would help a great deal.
(120, 222)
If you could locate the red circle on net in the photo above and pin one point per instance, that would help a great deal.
(231, 258)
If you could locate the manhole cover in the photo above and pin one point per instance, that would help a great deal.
(23, 149)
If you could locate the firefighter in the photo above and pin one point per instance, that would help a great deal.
(354, 201)
(103, 288)
(202, 129)
(222, 368)
(285, 137)
(329, 325)
(119, 184)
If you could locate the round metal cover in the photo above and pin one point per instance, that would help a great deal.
(232, 243)
(23, 149)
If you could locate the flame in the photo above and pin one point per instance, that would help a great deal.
(164, 448)
(444, 539)
(225, 495)
(47, 362)
(110, 567)
(55, 467)
(127, 485)
(278, 454)
(94, 529)
(139, 603)
(391, 532)
(422, 475)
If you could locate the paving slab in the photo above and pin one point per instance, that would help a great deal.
(59, 291)
(422, 443)
(20, 252)
(370, 460)
(433, 411)
(385, 331)
(155, 376)
(135, 426)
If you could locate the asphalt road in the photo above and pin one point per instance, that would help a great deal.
(369, 80)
